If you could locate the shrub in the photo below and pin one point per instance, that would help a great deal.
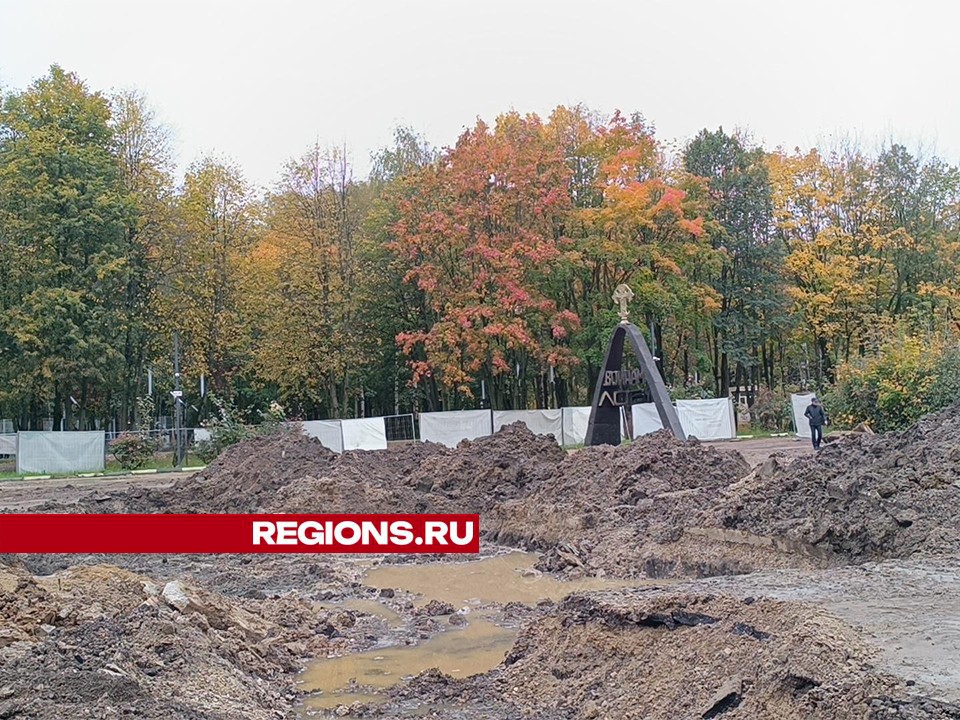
(227, 428)
(690, 390)
(909, 378)
(770, 411)
(133, 450)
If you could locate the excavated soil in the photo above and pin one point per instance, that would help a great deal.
(639, 655)
(100, 641)
(613, 510)
(655, 508)
(294, 473)
(222, 636)
(862, 498)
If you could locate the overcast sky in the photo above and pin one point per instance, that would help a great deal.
(260, 82)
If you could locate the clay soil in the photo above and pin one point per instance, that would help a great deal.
(794, 585)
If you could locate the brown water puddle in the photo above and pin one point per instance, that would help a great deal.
(476, 648)
(472, 650)
(501, 579)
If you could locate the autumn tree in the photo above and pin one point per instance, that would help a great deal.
(639, 223)
(199, 296)
(302, 281)
(481, 233)
(871, 246)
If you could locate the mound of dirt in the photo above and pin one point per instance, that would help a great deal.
(107, 642)
(658, 507)
(293, 473)
(610, 509)
(475, 477)
(630, 655)
(247, 476)
(483, 473)
(863, 497)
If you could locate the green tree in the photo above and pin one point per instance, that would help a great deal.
(199, 296)
(388, 305)
(146, 172)
(740, 226)
(64, 211)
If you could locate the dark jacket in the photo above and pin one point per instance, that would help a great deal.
(816, 415)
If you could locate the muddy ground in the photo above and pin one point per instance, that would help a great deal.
(704, 581)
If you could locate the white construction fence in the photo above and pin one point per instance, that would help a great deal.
(340, 435)
(541, 422)
(8, 444)
(41, 452)
(799, 403)
(702, 419)
(45, 452)
(449, 428)
(364, 434)
(708, 419)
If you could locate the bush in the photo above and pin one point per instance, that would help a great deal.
(770, 412)
(228, 429)
(909, 378)
(690, 391)
(133, 450)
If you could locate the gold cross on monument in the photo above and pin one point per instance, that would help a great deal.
(622, 295)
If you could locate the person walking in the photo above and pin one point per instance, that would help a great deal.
(818, 418)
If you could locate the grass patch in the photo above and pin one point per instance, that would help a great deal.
(756, 434)
(112, 469)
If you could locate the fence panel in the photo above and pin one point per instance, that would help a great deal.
(8, 444)
(799, 403)
(364, 434)
(646, 419)
(328, 432)
(708, 419)
(575, 421)
(400, 428)
(452, 426)
(60, 452)
(541, 422)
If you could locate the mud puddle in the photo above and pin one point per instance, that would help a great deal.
(501, 579)
(474, 649)
(475, 590)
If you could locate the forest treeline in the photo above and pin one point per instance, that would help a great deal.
(475, 275)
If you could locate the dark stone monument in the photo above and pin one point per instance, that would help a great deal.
(613, 386)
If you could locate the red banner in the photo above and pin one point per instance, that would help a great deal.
(162, 533)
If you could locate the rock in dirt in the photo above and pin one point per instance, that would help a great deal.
(174, 596)
(436, 608)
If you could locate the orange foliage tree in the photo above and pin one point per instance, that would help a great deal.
(481, 234)
(636, 222)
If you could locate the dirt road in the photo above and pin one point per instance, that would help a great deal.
(756, 450)
(21, 495)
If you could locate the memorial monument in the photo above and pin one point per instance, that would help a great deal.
(616, 384)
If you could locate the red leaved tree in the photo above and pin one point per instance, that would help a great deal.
(482, 234)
